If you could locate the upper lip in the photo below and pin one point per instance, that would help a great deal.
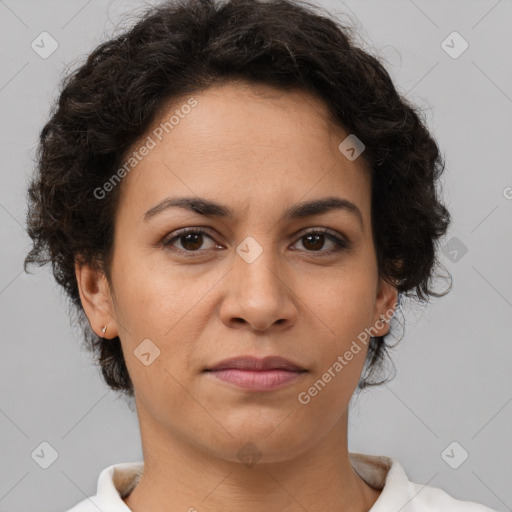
(254, 363)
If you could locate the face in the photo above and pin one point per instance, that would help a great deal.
(194, 286)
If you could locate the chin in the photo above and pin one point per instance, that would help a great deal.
(263, 443)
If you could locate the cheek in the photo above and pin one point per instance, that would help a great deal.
(167, 308)
(340, 360)
(148, 295)
(328, 391)
(345, 303)
(345, 312)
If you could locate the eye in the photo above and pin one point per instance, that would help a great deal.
(315, 239)
(192, 239)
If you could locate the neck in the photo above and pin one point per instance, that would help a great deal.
(191, 479)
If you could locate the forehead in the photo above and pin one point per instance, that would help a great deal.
(243, 142)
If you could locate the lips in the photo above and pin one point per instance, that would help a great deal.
(252, 374)
(251, 363)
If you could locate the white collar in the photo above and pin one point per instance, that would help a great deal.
(383, 473)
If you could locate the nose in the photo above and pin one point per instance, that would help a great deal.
(258, 295)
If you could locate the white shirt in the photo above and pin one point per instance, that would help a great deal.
(383, 473)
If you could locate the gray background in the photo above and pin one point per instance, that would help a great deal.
(454, 379)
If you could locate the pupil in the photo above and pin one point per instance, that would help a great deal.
(317, 237)
(193, 241)
(188, 237)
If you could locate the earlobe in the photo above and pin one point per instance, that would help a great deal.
(96, 299)
(385, 306)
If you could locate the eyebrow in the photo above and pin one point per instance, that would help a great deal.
(299, 211)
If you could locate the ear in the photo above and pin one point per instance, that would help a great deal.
(96, 299)
(385, 306)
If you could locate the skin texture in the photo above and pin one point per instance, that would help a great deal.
(258, 151)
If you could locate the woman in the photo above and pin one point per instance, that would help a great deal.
(236, 200)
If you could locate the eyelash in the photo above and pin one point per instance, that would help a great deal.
(339, 243)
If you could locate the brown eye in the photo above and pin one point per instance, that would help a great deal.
(313, 241)
(191, 240)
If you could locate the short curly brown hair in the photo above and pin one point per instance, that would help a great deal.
(185, 46)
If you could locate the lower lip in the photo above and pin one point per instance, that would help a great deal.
(257, 380)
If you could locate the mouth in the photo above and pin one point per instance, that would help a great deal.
(253, 374)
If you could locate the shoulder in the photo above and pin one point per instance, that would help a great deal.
(425, 498)
(400, 493)
(87, 505)
(114, 483)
